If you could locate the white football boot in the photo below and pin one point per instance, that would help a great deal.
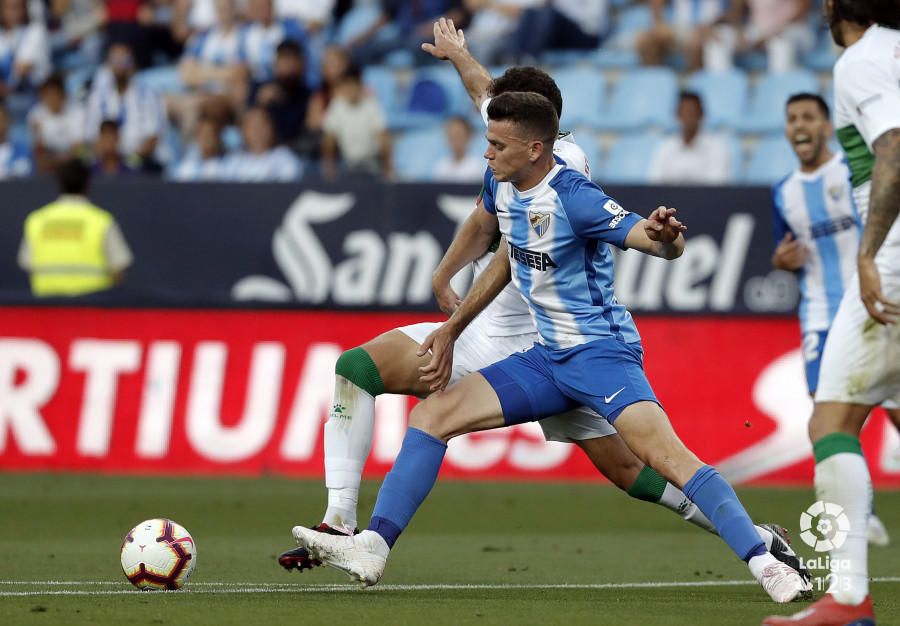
(782, 583)
(362, 557)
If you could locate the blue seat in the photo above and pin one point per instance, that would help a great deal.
(383, 84)
(583, 90)
(615, 58)
(416, 152)
(724, 96)
(628, 160)
(433, 94)
(765, 112)
(355, 22)
(628, 23)
(642, 98)
(823, 56)
(232, 140)
(771, 160)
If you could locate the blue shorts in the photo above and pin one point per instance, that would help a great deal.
(813, 348)
(606, 375)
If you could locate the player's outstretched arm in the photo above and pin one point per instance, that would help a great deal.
(884, 206)
(471, 242)
(658, 235)
(450, 44)
(491, 282)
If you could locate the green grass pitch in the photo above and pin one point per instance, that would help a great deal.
(477, 553)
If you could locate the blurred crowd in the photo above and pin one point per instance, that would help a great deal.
(279, 90)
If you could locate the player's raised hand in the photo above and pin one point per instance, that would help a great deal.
(790, 254)
(663, 226)
(437, 372)
(880, 308)
(447, 39)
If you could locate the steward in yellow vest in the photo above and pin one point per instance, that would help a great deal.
(70, 246)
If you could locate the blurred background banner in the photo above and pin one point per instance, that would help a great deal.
(373, 246)
(247, 392)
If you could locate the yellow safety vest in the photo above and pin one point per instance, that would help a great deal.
(67, 254)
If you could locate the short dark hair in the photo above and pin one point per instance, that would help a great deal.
(107, 125)
(289, 47)
(865, 12)
(353, 72)
(73, 176)
(526, 78)
(532, 111)
(54, 81)
(813, 97)
(688, 95)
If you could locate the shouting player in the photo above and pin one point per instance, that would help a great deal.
(861, 365)
(390, 363)
(558, 226)
(817, 230)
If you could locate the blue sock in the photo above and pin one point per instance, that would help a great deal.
(715, 497)
(407, 484)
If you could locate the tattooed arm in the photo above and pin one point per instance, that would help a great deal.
(884, 206)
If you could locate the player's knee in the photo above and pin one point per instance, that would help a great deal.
(357, 366)
(425, 416)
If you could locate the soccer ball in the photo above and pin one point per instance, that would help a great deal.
(158, 554)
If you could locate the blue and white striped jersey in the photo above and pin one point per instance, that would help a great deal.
(818, 209)
(216, 47)
(557, 233)
(258, 43)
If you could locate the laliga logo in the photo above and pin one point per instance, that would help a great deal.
(831, 526)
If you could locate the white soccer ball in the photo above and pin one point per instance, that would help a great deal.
(158, 554)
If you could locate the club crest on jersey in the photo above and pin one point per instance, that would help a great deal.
(835, 191)
(539, 222)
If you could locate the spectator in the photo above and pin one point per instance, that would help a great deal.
(136, 108)
(691, 157)
(24, 49)
(778, 26)
(204, 160)
(689, 29)
(57, 126)
(286, 98)
(561, 24)
(77, 25)
(403, 25)
(15, 161)
(135, 23)
(355, 128)
(261, 160)
(335, 63)
(493, 22)
(313, 15)
(213, 70)
(261, 37)
(71, 247)
(108, 161)
(459, 166)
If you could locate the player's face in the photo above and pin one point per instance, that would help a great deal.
(807, 129)
(508, 154)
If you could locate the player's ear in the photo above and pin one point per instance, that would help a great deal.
(537, 150)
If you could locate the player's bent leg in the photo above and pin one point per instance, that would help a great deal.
(647, 431)
(471, 404)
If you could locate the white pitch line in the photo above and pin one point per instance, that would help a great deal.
(229, 588)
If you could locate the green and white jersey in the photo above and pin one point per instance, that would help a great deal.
(867, 104)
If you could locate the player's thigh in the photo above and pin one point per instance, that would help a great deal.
(394, 355)
(646, 429)
(468, 405)
(612, 458)
(861, 360)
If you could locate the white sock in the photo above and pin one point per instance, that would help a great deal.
(759, 563)
(843, 479)
(675, 500)
(348, 439)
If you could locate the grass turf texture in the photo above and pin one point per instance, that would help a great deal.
(69, 528)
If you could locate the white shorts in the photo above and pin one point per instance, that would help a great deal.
(475, 350)
(861, 362)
